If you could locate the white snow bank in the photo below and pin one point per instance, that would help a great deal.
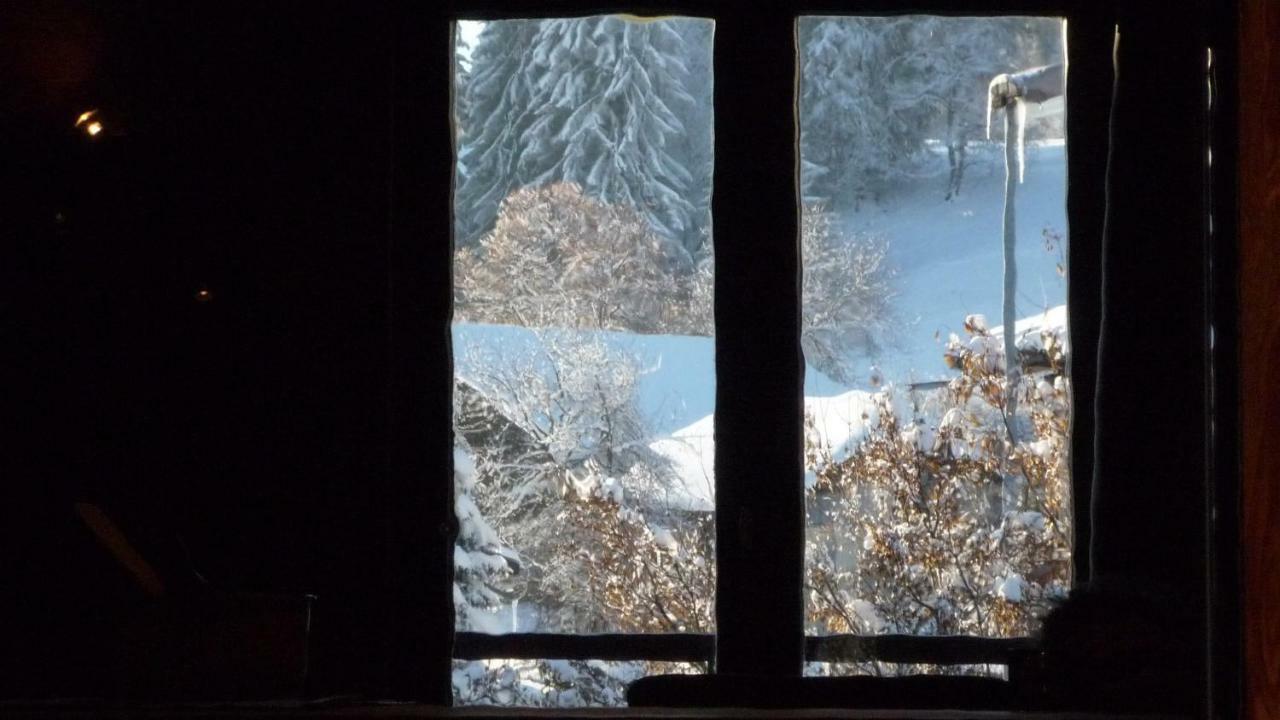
(1030, 332)
(840, 422)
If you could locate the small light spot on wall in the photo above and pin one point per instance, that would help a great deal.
(89, 122)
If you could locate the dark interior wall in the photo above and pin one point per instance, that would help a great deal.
(1259, 87)
(246, 152)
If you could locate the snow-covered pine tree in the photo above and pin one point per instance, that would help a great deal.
(852, 139)
(696, 145)
(461, 78)
(595, 101)
(945, 64)
(496, 106)
(482, 562)
(875, 89)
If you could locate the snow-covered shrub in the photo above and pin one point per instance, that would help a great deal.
(553, 683)
(853, 140)
(557, 258)
(565, 474)
(888, 669)
(848, 295)
(941, 523)
(483, 563)
(650, 569)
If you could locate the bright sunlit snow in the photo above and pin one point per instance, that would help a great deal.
(949, 254)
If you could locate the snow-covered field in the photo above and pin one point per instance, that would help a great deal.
(949, 253)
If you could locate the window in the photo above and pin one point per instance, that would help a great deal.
(937, 478)
(1138, 190)
(584, 356)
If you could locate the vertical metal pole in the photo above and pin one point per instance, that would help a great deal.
(1013, 367)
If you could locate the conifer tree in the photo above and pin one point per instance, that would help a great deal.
(875, 90)
(496, 102)
(595, 101)
(852, 138)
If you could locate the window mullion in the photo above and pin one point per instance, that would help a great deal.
(759, 371)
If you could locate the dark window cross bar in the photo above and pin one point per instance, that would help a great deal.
(691, 647)
(674, 647)
(935, 649)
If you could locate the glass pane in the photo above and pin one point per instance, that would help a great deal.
(584, 380)
(555, 683)
(937, 482)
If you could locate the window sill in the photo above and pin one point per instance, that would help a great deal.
(353, 710)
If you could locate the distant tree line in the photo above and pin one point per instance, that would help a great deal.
(874, 90)
(623, 109)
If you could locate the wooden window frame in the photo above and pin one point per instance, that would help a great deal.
(754, 212)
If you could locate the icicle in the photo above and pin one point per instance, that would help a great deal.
(1003, 91)
(988, 117)
(991, 100)
(1022, 133)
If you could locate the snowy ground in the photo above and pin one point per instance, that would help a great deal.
(949, 253)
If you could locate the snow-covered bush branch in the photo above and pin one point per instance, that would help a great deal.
(848, 295)
(564, 471)
(556, 258)
(937, 525)
(553, 683)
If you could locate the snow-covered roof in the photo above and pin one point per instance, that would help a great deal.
(676, 386)
(675, 393)
(839, 423)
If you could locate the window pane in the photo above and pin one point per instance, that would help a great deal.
(584, 378)
(937, 482)
(555, 683)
